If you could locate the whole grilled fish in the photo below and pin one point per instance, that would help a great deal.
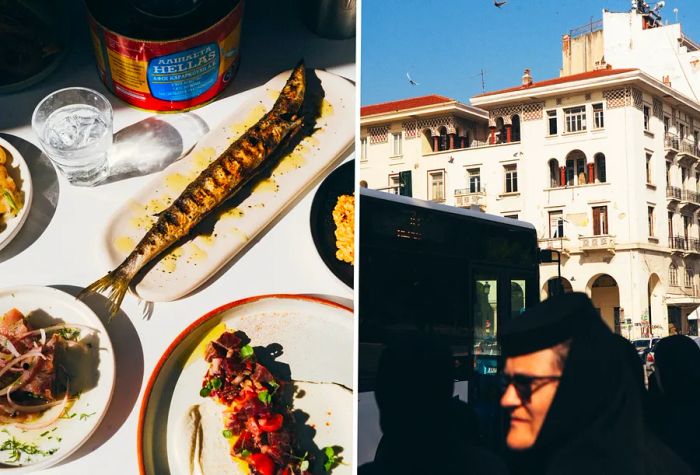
(219, 181)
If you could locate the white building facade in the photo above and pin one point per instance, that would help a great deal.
(604, 162)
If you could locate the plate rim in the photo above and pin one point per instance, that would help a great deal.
(191, 327)
(27, 176)
(313, 216)
(68, 298)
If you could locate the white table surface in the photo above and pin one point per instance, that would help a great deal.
(58, 244)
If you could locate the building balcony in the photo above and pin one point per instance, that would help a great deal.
(693, 245)
(671, 143)
(688, 150)
(561, 244)
(677, 243)
(690, 201)
(673, 193)
(466, 199)
(603, 242)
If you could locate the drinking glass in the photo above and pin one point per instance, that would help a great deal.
(74, 126)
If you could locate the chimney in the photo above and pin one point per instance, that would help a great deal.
(666, 80)
(527, 78)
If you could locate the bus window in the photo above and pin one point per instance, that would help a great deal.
(485, 316)
(517, 297)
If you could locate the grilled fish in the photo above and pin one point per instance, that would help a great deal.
(241, 161)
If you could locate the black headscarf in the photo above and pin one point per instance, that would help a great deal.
(673, 405)
(595, 423)
(425, 430)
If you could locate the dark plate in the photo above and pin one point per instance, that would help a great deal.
(340, 182)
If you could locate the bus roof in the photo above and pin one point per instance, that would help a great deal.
(429, 205)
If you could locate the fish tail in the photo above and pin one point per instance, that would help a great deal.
(115, 284)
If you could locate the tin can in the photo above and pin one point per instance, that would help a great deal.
(166, 60)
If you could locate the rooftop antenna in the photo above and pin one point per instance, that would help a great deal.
(675, 11)
(483, 83)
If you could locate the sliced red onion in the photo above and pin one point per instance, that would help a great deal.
(29, 354)
(10, 347)
(48, 418)
(58, 327)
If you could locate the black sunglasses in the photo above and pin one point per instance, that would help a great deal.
(525, 384)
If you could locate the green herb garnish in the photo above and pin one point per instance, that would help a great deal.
(18, 449)
(265, 397)
(69, 333)
(83, 416)
(245, 453)
(247, 351)
(204, 392)
(227, 433)
(332, 459)
(216, 383)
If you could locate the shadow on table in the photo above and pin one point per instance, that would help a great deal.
(150, 145)
(129, 367)
(44, 200)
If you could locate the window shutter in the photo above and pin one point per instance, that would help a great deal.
(405, 184)
(596, 221)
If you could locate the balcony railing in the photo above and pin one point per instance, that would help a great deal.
(671, 141)
(597, 243)
(465, 198)
(673, 192)
(691, 196)
(678, 242)
(694, 245)
(688, 147)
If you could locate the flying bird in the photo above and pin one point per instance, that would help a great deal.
(499, 4)
(411, 81)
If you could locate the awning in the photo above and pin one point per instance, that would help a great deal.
(683, 300)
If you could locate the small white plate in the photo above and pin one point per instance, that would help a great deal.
(17, 169)
(43, 306)
(186, 266)
(316, 337)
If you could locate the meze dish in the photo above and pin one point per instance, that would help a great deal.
(15, 192)
(240, 162)
(56, 376)
(261, 386)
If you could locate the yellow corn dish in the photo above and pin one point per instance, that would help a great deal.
(344, 218)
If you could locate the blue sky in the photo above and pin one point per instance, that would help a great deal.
(444, 44)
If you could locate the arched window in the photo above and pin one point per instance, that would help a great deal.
(500, 130)
(554, 175)
(428, 142)
(515, 128)
(443, 142)
(600, 175)
(576, 169)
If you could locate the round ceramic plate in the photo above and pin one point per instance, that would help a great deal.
(316, 341)
(18, 170)
(91, 366)
(340, 182)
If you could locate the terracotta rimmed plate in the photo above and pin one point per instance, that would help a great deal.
(316, 337)
(230, 229)
(340, 182)
(18, 170)
(93, 371)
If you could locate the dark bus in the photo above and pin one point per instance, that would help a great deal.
(452, 272)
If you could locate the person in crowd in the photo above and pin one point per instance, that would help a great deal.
(674, 395)
(425, 429)
(573, 396)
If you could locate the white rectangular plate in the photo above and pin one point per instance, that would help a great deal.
(185, 267)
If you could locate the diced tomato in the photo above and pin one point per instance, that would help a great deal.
(285, 471)
(262, 464)
(271, 423)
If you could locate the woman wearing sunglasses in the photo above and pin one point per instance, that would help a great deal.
(573, 396)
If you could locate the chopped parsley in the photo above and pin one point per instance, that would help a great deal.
(18, 450)
(245, 453)
(66, 415)
(247, 351)
(68, 333)
(84, 417)
(227, 433)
